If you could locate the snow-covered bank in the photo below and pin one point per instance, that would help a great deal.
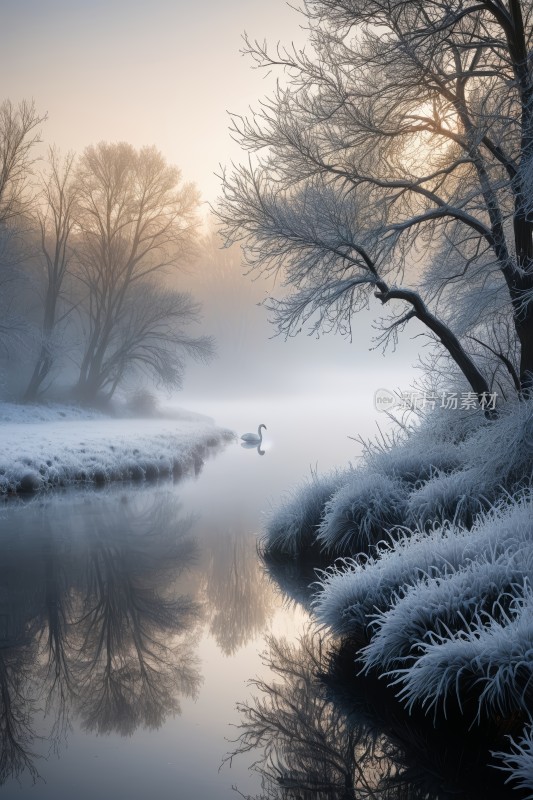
(43, 447)
(448, 469)
(434, 582)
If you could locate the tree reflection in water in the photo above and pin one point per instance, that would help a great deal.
(92, 621)
(239, 596)
(18, 704)
(317, 736)
(306, 747)
(132, 663)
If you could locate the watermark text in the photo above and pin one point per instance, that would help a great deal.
(385, 400)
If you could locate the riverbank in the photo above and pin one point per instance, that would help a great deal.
(42, 447)
(424, 553)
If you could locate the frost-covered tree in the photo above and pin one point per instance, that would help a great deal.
(19, 133)
(135, 221)
(150, 338)
(55, 220)
(395, 159)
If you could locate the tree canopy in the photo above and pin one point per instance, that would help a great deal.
(395, 159)
(135, 220)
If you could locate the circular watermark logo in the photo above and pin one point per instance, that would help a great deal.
(384, 399)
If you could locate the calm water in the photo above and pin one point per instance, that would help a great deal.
(132, 619)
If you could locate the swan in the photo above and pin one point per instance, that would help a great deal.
(254, 438)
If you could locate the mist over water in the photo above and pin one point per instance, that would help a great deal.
(171, 570)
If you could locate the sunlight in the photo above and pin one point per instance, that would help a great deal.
(430, 138)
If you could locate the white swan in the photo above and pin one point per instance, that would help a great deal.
(254, 438)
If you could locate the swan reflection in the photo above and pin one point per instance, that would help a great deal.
(253, 446)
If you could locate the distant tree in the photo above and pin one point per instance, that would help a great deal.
(230, 303)
(397, 161)
(135, 221)
(149, 338)
(19, 133)
(55, 220)
(219, 285)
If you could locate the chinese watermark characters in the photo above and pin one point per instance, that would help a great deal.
(385, 400)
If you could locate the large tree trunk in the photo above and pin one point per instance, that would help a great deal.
(449, 340)
(524, 329)
(520, 284)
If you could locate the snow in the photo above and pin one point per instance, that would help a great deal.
(15, 412)
(293, 526)
(430, 546)
(357, 515)
(46, 446)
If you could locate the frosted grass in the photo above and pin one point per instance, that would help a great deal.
(519, 762)
(352, 591)
(492, 658)
(86, 448)
(293, 526)
(447, 603)
(358, 513)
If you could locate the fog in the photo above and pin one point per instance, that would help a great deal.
(253, 360)
(165, 78)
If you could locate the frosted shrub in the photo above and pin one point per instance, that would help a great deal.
(142, 402)
(415, 459)
(493, 658)
(449, 602)
(350, 592)
(453, 466)
(432, 445)
(458, 496)
(294, 524)
(358, 514)
(497, 458)
(519, 763)
(502, 452)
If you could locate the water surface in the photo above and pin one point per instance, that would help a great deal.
(132, 618)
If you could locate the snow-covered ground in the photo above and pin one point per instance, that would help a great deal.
(430, 545)
(46, 446)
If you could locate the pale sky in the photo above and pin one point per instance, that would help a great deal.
(163, 72)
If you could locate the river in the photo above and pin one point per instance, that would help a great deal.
(132, 618)
(141, 635)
